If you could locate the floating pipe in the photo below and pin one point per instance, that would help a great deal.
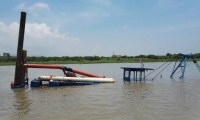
(43, 66)
(61, 67)
(86, 74)
(78, 79)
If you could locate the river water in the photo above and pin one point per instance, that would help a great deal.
(161, 99)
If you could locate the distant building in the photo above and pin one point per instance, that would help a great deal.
(6, 54)
(88, 56)
(115, 55)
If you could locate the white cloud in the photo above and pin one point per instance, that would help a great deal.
(34, 7)
(20, 6)
(39, 39)
(8, 37)
(39, 6)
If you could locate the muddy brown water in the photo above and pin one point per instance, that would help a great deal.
(161, 99)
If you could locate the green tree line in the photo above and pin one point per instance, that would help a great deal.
(101, 59)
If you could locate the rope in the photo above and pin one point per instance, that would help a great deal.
(156, 69)
(197, 65)
(175, 65)
(161, 71)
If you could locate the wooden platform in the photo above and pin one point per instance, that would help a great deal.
(127, 73)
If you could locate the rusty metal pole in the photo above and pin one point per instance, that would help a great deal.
(19, 61)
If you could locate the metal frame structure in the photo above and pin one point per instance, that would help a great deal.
(128, 70)
(182, 65)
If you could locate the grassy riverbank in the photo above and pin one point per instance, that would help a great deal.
(135, 60)
(4, 61)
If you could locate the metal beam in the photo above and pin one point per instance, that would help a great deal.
(182, 65)
(19, 62)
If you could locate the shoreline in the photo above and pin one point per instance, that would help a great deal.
(90, 62)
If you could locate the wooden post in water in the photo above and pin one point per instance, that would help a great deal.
(19, 61)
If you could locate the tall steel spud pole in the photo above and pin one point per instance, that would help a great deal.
(19, 61)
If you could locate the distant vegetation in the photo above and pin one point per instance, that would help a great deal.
(95, 59)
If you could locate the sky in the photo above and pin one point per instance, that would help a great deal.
(101, 27)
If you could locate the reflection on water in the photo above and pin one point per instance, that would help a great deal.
(21, 103)
(161, 99)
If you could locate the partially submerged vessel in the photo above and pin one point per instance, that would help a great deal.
(70, 78)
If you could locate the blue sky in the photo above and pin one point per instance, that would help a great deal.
(101, 27)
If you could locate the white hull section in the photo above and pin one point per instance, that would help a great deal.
(78, 79)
